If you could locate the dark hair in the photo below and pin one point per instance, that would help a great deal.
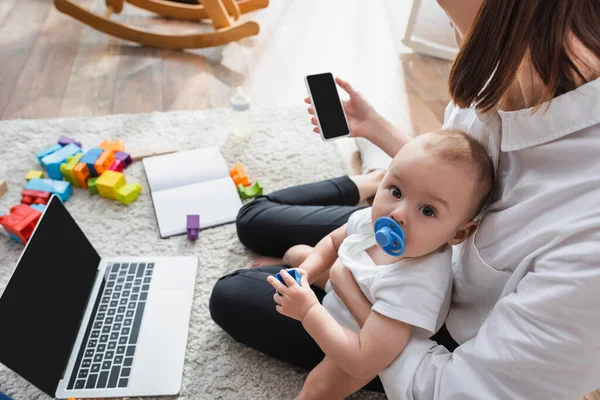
(506, 31)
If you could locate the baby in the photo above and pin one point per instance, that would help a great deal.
(433, 189)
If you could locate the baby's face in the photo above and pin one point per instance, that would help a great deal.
(427, 196)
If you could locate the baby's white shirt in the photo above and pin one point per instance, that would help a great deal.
(413, 290)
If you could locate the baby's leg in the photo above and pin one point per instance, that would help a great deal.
(328, 381)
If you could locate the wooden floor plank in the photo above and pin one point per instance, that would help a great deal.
(40, 89)
(91, 86)
(19, 31)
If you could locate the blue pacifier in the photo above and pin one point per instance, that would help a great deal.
(389, 236)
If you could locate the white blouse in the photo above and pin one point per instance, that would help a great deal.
(526, 296)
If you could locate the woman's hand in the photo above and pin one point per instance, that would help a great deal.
(293, 300)
(362, 117)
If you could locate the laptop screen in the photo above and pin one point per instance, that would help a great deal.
(44, 301)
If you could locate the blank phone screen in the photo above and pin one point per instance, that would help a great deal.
(328, 105)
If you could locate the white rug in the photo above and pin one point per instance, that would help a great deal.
(276, 147)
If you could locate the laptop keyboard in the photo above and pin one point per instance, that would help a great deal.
(106, 355)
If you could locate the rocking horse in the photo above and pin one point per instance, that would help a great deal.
(222, 13)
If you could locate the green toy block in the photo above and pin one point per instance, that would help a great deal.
(129, 193)
(67, 169)
(92, 186)
(109, 183)
(249, 192)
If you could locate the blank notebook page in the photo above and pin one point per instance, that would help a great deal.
(191, 182)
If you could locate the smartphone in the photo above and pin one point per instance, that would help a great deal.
(329, 111)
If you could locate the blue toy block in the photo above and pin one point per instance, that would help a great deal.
(295, 274)
(62, 189)
(39, 207)
(4, 397)
(90, 158)
(43, 153)
(52, 161)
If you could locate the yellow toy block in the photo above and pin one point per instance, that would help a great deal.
(82, 173)
(129, 193)
(104, 162)
(109, 182)
(67, 169)
(117, 145)
(34, 175)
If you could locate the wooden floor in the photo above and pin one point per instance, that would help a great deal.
(53, 66)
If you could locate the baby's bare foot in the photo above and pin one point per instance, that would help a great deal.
(266, 261)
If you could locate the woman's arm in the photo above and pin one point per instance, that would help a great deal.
(324, 254)
(347, 290)
(387, 136)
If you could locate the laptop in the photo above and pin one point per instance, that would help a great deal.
(75, 324)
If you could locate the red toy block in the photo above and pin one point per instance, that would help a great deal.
(34, 197)
(21, 221)
(239, 175)
(117, 166)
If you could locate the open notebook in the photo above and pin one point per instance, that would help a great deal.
(191, 182)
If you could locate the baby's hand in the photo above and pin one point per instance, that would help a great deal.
(295, 300)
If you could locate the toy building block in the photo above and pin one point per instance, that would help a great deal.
(39, 207)
(117, 145)
(125, 157)
(34, 197)
(140, 154)
(295, 274)
(109, 183)
(60, 188)
(90, 158)
(43, 153)
(239, 176)
(249, 192)
(53, 161)
(82, 173)
(3, 187)
(193, 226)
(104, 162)
(63, 141)
(67, 169)
(21, 221)
(129, 193)
(117, 166)
(34, 174)
(92, 186)
(4, 397)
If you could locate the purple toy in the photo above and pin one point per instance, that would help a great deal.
(63, 141)
(125, 157)
(193, 226)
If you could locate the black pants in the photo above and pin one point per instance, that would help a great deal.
(242, 302)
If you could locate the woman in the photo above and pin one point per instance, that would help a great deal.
(524, 309)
